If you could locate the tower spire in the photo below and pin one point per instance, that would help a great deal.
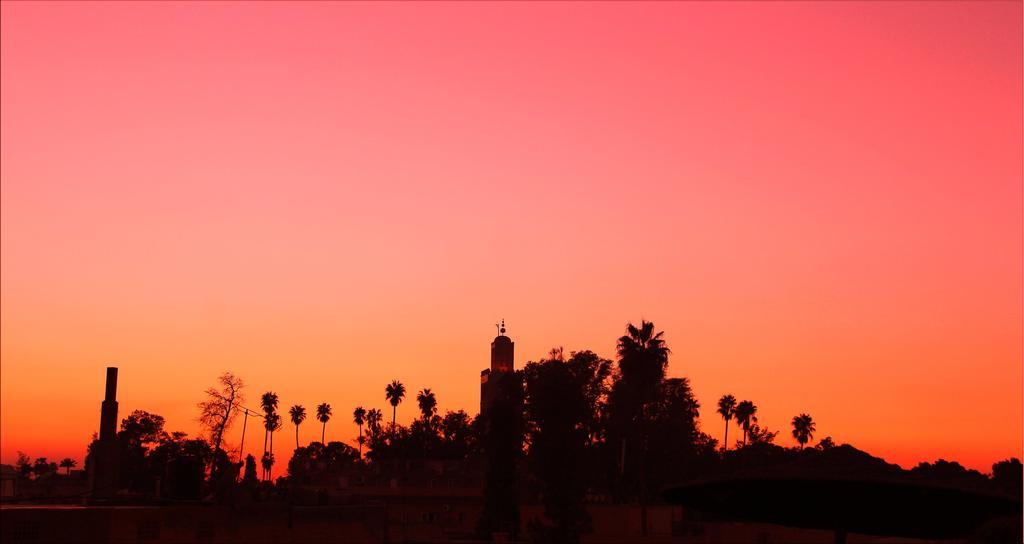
(502, 364)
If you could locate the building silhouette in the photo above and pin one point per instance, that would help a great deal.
(103, 470)
(502, 361)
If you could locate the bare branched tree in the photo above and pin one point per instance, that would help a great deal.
(217, 412)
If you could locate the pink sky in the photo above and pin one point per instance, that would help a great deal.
(820, 203)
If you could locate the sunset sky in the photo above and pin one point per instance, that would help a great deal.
(819, 203)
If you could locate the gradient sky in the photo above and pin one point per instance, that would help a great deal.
(820, 203)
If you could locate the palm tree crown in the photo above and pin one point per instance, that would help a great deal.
(298, 413)
(803, 429)
(359, 417)
(726, 407)
(746, 414)
(643, 356)
(271, 423)
(323, 415)
(394, 393)
(323, 412)
(373, 419)
(269, 402)
(67, 463)
(428, 403)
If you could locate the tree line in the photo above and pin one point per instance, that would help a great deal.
(573, 427)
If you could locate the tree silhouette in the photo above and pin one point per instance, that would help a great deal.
(272, 423)
(726, 407)
(217, 412)
(675, 444)
(757, 435)
(323, 415)
(457, 434)
(23, 465)
(428, 404)
(68, 463)
(42, 468)
(643, 356)
(557, 402)
(1008, 475)
(317, 463)
(359, 417)
(394, 393)
(249, 474)
(267, 462)
(746, 414)
(298, 414)
(142, 428)
(181, 462)
(139, 432)
(373, 419)
(803, 429)
(268, 402)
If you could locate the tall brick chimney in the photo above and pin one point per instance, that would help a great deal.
(103, 459)
(108, 412)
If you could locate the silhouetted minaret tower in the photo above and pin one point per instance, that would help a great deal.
(502, 360)
(502, 351)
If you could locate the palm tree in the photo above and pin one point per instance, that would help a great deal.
(267, 461)
(68, 463)
(803, 429)
(271, 423)
(643, 356)
(745, 415)
(428, 403)
(298, 413)
(394, 393)
(726, 407)
(268, 402)
(359, 417)
(323, 415)
(373, 419)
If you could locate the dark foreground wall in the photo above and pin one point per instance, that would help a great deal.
(256, 524)
(407, 521)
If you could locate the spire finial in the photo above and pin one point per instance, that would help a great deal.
(502, 329)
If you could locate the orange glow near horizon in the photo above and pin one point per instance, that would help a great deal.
(819, 203)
